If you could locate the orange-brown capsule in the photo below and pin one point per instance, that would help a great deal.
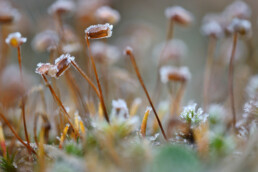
(63, 63)
(99, 31)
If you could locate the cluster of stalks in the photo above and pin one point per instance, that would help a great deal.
(189, 125)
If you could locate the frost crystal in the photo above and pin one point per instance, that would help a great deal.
(192, 116)
(66, 57)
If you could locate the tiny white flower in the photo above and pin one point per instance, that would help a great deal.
(15, 39)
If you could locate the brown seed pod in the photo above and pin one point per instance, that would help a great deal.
(63, 63)
(99, 31)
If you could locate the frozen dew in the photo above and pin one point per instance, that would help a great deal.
(99, 31)
(15, 39)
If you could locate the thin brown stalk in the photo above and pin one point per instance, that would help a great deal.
(230, 78)
(16, 135)
(208, 71)
(19, 60)
(24, 120)
(145, 90)
(97, 79)
(59, 102)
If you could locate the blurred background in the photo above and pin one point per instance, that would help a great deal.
(146, 16)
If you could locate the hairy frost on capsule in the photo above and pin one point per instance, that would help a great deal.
(67, 57)
(173, 73)
(99, 31)
(15, 39)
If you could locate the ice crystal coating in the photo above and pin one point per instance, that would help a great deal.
(194, 116)
(15, 39)
(180, 74)
(99, 31)
(106, 14)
